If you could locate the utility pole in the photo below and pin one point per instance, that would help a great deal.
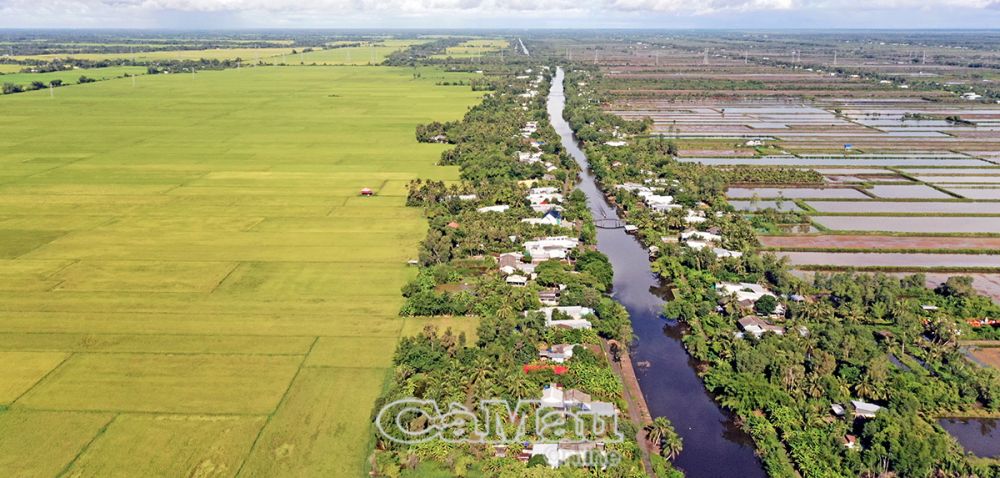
(595, 57)
(705, 60)
(746, 57)
(923, 61)
(834, 57)
(52, 91)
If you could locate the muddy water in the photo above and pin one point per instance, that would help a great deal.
(981, 436)
(713, 446)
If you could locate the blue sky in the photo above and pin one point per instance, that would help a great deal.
(501, 13)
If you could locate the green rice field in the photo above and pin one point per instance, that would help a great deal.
(370, 54)
(69, 77)
(247, 54)
(473, 48)
(190, 284)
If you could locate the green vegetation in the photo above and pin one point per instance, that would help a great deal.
(29, 81)
(188, 271)
(459, 277)
(840, 333)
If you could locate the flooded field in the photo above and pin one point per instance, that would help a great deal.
(878, 259)
(977, 193)
(846, 241)
(960, 179)
(846, 162)
(981, 436)
(954, 171)
(914, 191)
(877, 207)
(989, 356)
(796, 193)
(761, 205)
(911, 224)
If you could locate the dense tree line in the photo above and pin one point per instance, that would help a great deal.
(887, 340)
(459, 276)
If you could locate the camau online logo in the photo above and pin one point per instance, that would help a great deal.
(565, 434)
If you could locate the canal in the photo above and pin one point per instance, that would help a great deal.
(714, 446)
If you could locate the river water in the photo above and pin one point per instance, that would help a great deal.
(713, 446)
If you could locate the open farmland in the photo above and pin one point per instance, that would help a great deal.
(247, 54)
(370, 53)
(473, 48)
(909, 169)
(190, 285)
(68, 77)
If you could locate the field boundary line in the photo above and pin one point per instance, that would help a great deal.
(142, 412)
(236, 265)
(270, 416)
(69, 355)
(86, 447)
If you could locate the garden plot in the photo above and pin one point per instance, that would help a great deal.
(938, 225)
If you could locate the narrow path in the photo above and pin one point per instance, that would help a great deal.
(637, 410)
(523, 48)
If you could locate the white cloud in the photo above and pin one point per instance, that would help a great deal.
(492, 13)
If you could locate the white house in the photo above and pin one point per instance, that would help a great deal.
(701, 235)
(517, 280)
(743, 291)
(557, 247)
(529, 158)
(575, 312)
(556, 454)
(551, 218)
(757, 327)
(694, 217)
(497, 208)
(865, 409)
(558, 353)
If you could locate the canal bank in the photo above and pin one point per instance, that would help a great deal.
(713, 445)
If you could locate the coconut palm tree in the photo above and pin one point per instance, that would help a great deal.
(672, 445)
(661, 434)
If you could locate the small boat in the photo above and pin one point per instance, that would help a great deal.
(631, 229)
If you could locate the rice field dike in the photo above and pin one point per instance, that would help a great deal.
(191, 284)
